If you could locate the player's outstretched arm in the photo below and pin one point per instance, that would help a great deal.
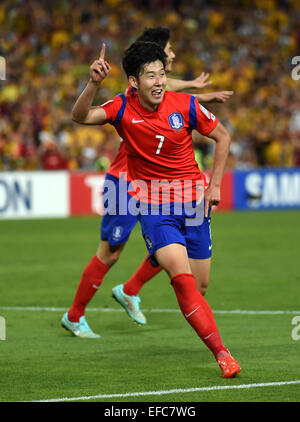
(212, 193)
(197, 83)
(83, 112)
(218, 97)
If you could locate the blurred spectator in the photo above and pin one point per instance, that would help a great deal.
(88, 155)
(247, 46)
(52, 157)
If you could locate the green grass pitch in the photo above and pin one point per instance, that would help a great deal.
(255, 268)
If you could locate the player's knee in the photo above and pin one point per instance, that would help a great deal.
(109, 256)
(174, 267)
(112, 258)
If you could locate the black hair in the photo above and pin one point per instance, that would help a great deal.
(139, 54)
(159, 34)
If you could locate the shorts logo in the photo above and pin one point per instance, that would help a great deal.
(117, 232)
(175, 120)
(148, 241)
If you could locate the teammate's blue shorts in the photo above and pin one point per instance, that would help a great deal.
(117, 223)
(190, 230)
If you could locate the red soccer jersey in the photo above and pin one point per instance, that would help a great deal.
(159, 143)
(119, 165)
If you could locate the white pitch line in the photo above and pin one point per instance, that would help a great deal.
(173, 391)
(158, 310)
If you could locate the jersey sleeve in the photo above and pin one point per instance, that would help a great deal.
(114, 109)
(200, 118)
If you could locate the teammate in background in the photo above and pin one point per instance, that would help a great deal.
(161, 36)
(116, 229)
(172, 240)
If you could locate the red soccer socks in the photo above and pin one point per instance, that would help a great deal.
(91, 280)
(198, 313)
(143, 274)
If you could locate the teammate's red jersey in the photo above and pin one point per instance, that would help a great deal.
(119, 165)
(159, 143)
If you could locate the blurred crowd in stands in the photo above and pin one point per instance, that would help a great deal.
(246, 45)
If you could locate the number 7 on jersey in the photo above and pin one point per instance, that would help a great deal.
(162, 138)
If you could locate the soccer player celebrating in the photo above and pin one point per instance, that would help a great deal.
(116, 229)
(159, 148)
(127, 294)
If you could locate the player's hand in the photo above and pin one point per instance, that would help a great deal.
(212, 196)
(222, 96)
(100, 68)
(201, 81)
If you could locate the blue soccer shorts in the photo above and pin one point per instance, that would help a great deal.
(192, 231)
(117, 223)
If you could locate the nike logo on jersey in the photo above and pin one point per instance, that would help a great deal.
(209, 248)
(188, 315)
(137, 121)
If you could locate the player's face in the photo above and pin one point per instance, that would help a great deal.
(151, 85)
(170, 57)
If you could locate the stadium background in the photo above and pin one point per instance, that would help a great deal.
(246, 46)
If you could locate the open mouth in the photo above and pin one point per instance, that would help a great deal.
(157, 93)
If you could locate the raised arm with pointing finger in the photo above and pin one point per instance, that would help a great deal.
(83, 111)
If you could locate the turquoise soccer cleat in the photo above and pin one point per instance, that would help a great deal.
(79, 329)
(131, 304)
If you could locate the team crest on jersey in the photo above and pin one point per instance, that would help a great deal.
(176, 120)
